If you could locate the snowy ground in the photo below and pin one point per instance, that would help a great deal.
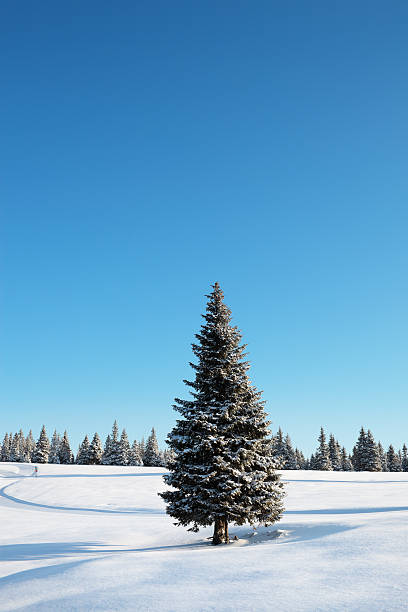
(97, 538)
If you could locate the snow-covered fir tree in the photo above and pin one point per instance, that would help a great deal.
(106, 456)
(15, 448)
(365, 453)
(404, 459)
(152, 454)
(82, 457)
(22, 457)
(382, 455)
(54, 449)
(5, 448)
(393, 460)
(322, 456)
(95, 451)
(124, 449)
(290, 461)
(372, 461)
(30, 446)
(279, 449)
(111, 454)
(358, 457)
(168, 456)
(300, 460)
(64, 452)
(224, 470)
(135, 455)
(346, 464)
(42, 448)
(335, 454)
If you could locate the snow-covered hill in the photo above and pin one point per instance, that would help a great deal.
(97, 538)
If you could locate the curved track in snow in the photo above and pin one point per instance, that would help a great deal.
(25, 472)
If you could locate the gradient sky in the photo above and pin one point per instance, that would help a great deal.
(149, 149)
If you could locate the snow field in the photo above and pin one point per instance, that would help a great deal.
(98, 538)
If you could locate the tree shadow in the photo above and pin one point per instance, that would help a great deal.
(289, 534)
(57, 550)
(40, 572)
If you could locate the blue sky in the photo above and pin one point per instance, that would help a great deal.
(150, 149)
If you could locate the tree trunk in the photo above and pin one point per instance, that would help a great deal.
(226, 536)
(219, 531)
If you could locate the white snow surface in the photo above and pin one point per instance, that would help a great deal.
(97, 538)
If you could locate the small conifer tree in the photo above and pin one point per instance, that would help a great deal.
(322, 456)
(382, 455)
(372, 462)
(135, 455)
(111, 455)
(64, 452)
(5, 448)
(95, 451)
(42, 449)
(30, 447)
(82, 457)
(152, 455)
(346, 464)
(54, 449)
(279, 449)
(335, 453)
(107, 451)
(393, 460)
(124, 449)
(404, 459)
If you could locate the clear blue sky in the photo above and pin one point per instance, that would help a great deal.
(151, 148)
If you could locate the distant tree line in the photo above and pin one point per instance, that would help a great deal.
(116, 451)
(367, 455)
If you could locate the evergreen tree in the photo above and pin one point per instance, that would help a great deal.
(135, 455)
(42, 449)
(54, 449)
(95, 451)
(124, 449)
(64, 452)
(168, 457)
(301, 463)
(290, 458)
(346, 464)
(30, 447)
(393, 461)
(359, 458)
(5, 448)
(15, 448)
(322, 457)
(142, 447)
(224, 470)
(152, 455)
(382, 457)
(111, 455)
(335, 454)
(312, 462)
(279, 449)
(83, 452)
(371, 457)
(107, 451)
(404, 459)
(22, 456)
